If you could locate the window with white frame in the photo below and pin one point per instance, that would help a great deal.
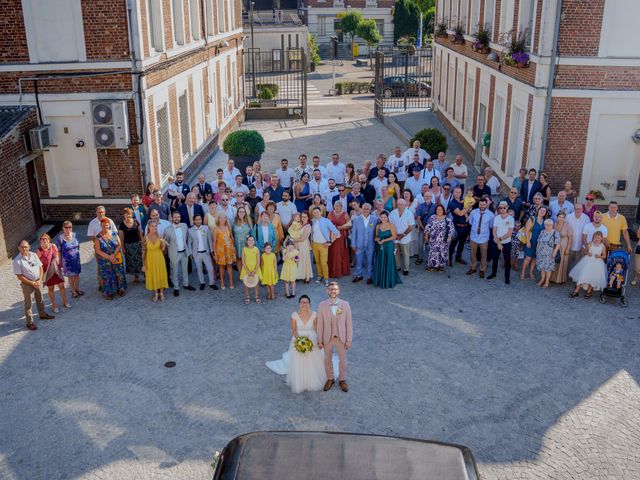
(489, 12)
(451, 83)
(468, 109)
(178, 22)
(498, 128)
(380, 25)
(164, 141)
(322, 25)
(183, 118)
(154, 17)
(232, 14)
(213, 98)
(233, 100)
(194, 17)
(221, 15)
(475, 16)
(224, 88)
(209, 18)
(462, 17)
(516, 140)
(506, 15)
(459, 92)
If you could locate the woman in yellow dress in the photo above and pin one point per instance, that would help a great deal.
(274, 218)
(269, 269)
(225, 251)
(153, 264)
(251, 267)
(289, 272)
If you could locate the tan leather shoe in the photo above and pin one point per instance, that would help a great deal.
(343, 386)
(328, 385)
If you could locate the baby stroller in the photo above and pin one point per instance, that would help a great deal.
(617, 273)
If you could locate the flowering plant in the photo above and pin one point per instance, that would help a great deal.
(303, 344)
(520, 57)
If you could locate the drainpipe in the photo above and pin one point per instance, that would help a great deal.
(550, 81)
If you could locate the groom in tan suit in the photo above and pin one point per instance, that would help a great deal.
(335, 330)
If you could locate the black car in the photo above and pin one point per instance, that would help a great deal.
(326, 455)
(395, 87)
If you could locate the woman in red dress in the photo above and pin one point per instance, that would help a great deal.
(48, 255)
(338, 252)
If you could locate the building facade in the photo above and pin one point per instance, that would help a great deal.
(133, 91)
(573, 111)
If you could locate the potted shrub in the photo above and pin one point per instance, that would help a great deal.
(431, 140)
(266, 97)
(441, 28)
(457, 37)
(482, 39)
(244, 147)
(407, 44)
(515, 48)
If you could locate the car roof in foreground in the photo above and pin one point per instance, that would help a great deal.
(323, 455)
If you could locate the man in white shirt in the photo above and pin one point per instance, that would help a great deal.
(441, 164)
(593, 227)
(577, 221)
(503, 225)
(316, 165)
(285, 174)
(27, 267)
(429, 172)
(560, 204)
(331, 192)
(397, 163)
(286, 209)
(230, 173)
(460, 170)
(415, 182)
(94, 227)
(336, 169)
(380, 181)
(404, 223)
(417, 150)
(491, 181)
(318, 184)
(226, 208)
(238, 186)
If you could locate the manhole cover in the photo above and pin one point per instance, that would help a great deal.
(170, 364)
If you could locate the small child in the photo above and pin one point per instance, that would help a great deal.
(468, 200)
(269, 269)
(250, 273)
(617, 277)
(289, 271)
(516, 243)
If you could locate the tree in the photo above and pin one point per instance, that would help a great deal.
(367, 30)
(428, 21)
(406, 18)
(349, 22)
(314, 56)
(425, 5)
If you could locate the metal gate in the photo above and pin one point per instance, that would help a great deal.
(275, 81)
(402, 80)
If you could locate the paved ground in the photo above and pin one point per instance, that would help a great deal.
(539, 386)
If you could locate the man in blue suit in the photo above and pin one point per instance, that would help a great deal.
(363, 240)
(529, 188)
(190, 209)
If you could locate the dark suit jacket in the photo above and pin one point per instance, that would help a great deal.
(206, 189)
(245, 180)
(184, 213)
(351, 197)
(369, 193)
(527, 197)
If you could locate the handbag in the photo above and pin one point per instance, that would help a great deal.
(558, 256)
(117, 259)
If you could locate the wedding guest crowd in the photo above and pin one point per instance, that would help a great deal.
(368, 222)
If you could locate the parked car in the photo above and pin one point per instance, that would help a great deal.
(314, 455)
(395, 87)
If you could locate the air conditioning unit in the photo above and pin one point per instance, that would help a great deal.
(110, 126)
(41, 137)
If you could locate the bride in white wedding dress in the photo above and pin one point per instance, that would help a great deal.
(304, 371)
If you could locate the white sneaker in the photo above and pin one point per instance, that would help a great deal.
(319, 280)
(55, 310)
(326, 282)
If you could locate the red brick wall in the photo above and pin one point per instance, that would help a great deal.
(496, 22)
(144, 29)
(580, 28)
(527, 129)
(167, 24)
(107, 83)
(105, 29)
(13, 38)
(87, 211)
(525, 75)
(597, 78)
(16, 212)
(566, 141)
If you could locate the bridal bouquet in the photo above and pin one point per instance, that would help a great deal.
(303, 344)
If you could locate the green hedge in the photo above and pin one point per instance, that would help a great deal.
(274, 87)
(265, 94)
(243, 143)
(432, 140)
(343, 88)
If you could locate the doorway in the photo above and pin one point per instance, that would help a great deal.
(35, 195)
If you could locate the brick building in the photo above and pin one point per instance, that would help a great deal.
(583, 75)
(133, 90)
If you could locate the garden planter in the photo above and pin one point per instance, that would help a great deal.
(243, 161)
(521, 65)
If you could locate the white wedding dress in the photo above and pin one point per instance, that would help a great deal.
(304, 371)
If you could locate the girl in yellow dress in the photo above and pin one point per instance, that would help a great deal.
(153, 265)
(251, 267)
(269, 271)
(224, 249)
(289, 272)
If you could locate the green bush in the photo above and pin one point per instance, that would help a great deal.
(344, 88)
(243, 143)
(432, 140)
(314, 56)
(265, 94)
(274, 87)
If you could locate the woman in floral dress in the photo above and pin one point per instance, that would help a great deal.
(110, 262)
(547, 247)
(49, 256)
(69, 248)
(438, 232)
